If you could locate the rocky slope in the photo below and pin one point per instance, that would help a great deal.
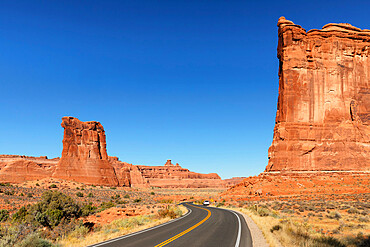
(323, 113)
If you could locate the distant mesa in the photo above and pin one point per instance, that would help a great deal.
(85, 159)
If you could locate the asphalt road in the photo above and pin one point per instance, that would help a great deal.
(202, 226)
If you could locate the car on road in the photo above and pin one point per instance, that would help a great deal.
(206, 203)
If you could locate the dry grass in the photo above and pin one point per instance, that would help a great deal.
(81, 237)
(310, 223)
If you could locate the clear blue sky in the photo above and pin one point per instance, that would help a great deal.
(191, 81)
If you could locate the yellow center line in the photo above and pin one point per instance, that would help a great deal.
(187, 230)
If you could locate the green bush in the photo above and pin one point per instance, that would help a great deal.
(20, 215)
(33, 240)
(275, 228)
(126, 196)
(106, 205)
(115, 197)
(53, 207)
(90, 195)
(4, 215)
(137, 200)
(79, 194)
(52, 186)
(88, 209)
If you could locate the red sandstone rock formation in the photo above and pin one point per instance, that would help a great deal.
(233, 181)
(171, 176)
(323, 113)
(168, 163)
(125, 172)
(18, 169)
(84, 157)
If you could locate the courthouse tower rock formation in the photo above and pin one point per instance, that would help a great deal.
(323, 112)
(84, 156)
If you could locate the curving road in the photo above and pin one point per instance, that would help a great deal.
(201, 226)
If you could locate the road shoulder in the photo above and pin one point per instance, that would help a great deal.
(257, 236)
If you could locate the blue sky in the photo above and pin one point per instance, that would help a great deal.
(191, 81)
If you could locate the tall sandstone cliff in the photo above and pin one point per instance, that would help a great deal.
(323, 112)
(84, 156)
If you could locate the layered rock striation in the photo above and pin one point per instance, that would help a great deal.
(323, 112)
(20, 168)
(84, 156)
(174, 176)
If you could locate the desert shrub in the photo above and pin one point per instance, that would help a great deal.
(4, 215)
(9, 193)
(221, 204)
(29, 195)
(115, 197)
(79, 232)
(334, 215)
(106, 205)
(152, 193)
(8, 236)
(53, 186)
(171, 201)
(90, 195)
(37, 184)
(275, 228)
(361, 219)
(263, 212)
(79, 194)
(20, 215)
(169, 212)
(126, 196)
(113, 188)
(53, 207)
(121, 202)
(359, 241)
(33, 240)
(131, 222)
(88, 209)
(352, 211)
(330, 241)
(137, 200)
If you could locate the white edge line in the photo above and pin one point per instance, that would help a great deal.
(237, 243)
(142, 231)
(239, 231)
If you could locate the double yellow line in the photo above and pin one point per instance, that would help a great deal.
(187, 230)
